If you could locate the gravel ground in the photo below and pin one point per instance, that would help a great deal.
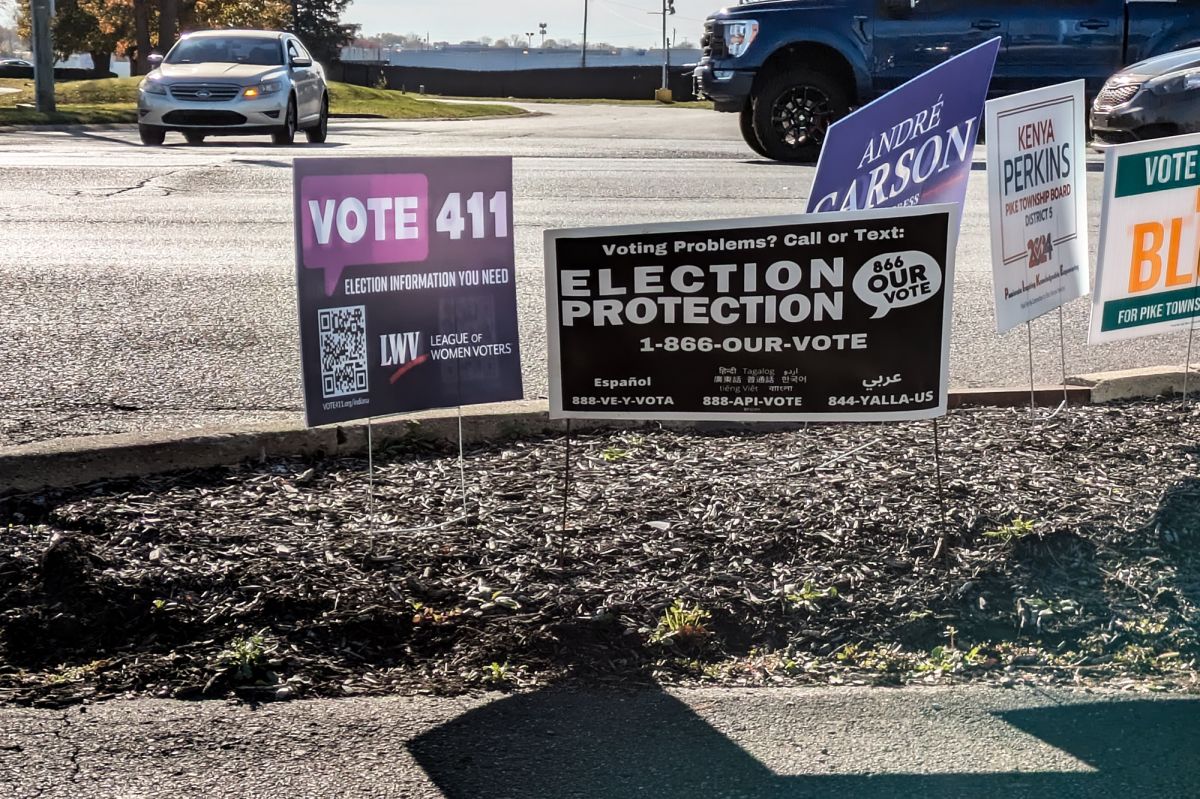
(1065, 553)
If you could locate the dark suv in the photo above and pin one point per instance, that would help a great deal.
(792, 67)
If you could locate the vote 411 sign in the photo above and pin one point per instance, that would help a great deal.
(1146, 276)
(405, 275)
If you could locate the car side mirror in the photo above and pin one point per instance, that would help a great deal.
(297, 61)
(154, 59)
(900, 9)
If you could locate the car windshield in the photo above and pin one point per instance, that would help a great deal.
(226, 50)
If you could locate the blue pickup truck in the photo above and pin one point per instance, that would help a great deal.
(792, 67)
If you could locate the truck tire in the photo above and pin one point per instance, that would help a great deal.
(793, 110)
(746, 118)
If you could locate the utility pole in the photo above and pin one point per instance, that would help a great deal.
(542, 28)
(584, 61)
(43, 56)
(668, 8)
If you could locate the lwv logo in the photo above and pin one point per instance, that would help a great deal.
(398, 349)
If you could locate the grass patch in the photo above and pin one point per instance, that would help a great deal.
(69, 115)
(347, 99)
(114, 100)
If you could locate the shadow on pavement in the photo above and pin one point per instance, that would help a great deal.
(570, 746)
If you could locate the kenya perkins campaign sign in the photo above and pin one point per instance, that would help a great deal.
(828, 317)
(1037, 188)
(405, 276)
(913, 145)
(1146, 275)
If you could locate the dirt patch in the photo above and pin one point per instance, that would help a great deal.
(1068, 552)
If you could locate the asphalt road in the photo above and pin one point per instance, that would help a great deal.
(939, 743)
(153, 289)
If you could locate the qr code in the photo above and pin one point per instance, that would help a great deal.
(343, 339)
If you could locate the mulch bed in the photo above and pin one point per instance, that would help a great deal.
(1065, 550)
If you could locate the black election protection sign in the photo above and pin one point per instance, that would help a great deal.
(829, 317)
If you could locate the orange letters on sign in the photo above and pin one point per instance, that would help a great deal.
(1145, 253)
(1173, 276)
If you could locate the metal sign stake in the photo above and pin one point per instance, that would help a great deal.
(1062, 351)
(941, 496)
(562, 533)
(1032, 390)
(462, 470)
(370, 479)
(1187, 365)
(370, 495)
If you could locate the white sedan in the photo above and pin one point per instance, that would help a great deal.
(220, 83)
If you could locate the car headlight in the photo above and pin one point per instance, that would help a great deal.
(152, 85)
(738, 36)
(262, 89)
(1175, 82)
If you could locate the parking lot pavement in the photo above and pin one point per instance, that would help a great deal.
(817, 743)
(153, 288)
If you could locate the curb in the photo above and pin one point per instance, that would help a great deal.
(1139, 383)
(63, 463)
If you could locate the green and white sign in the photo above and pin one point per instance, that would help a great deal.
(1146, 275)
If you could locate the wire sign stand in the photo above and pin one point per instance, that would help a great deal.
(1062, 353)
(941, 494)
(1187, 365)
(562, 532)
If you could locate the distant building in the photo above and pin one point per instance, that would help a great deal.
(476, 57)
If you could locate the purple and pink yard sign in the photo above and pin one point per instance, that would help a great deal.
(406, 283)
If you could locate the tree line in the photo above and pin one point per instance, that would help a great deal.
(134, 29)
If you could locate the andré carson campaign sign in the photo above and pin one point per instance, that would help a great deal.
(405, 276)
(842, 316)
(911, 146)
(1037, 189)
(1146, 272)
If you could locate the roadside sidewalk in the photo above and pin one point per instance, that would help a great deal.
(684, 744)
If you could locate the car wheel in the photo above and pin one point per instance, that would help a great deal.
(746, 119)
(151, 134)
(319, 132)
(194, 138)
(793, 112)
(286, 133)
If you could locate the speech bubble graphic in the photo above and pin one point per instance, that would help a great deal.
(897, 280)
(362, 220)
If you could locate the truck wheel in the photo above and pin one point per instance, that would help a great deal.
(747, 123)
(793, 112)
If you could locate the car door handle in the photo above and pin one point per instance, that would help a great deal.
(985, 24)
(1094, 24)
